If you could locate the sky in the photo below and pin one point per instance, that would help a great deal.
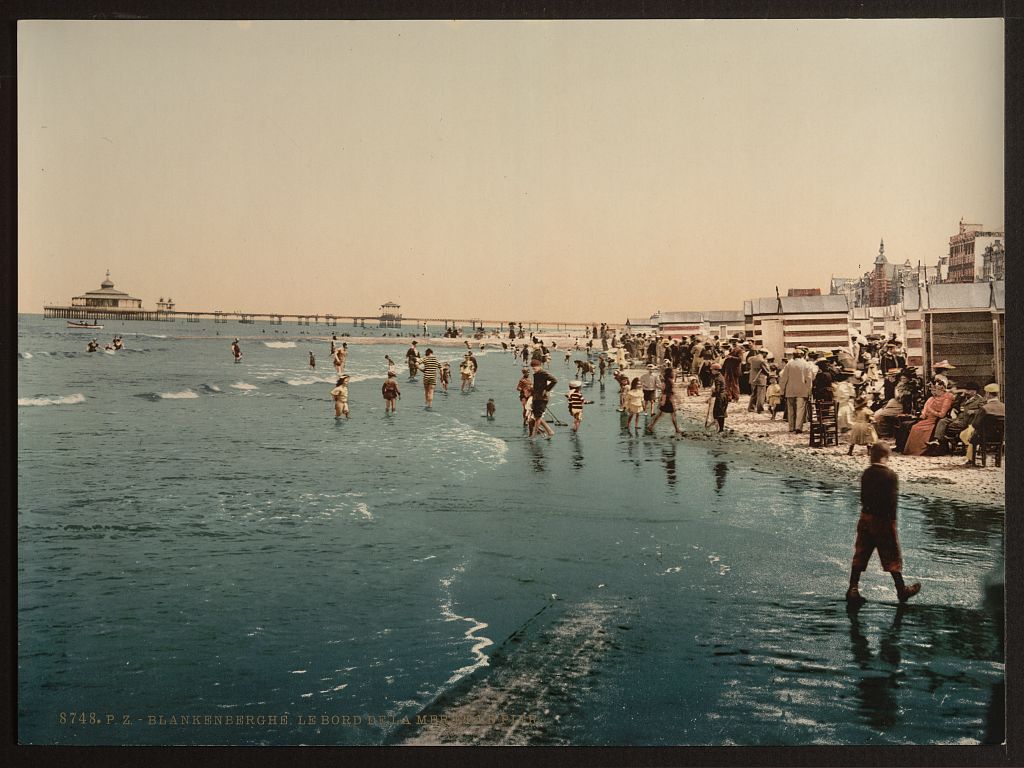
(542, 170)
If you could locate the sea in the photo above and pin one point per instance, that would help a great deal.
(207, 556)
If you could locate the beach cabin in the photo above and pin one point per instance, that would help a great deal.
(781, 324)
(390, 317)
(964, 323)
(641, 324)
(724, 323)
(679, 325)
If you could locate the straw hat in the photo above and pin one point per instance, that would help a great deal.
(575, 384)
(992, 388)
(944, 364)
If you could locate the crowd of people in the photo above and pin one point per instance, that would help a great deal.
(868, 385)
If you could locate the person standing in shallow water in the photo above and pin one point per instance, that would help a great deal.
(667, 406)
(431, 373)
(876, 528)
(312, 361)
(543, 383)
(391, 393)
(340, 395)
(412, 356)
(236, 351)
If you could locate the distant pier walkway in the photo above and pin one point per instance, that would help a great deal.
(276, 318)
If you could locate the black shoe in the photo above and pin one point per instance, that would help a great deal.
(908, 592)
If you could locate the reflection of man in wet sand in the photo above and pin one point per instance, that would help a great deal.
(877, 693)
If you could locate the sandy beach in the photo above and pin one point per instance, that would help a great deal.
(936, 477)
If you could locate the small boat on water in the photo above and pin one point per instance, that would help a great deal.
(91, 327)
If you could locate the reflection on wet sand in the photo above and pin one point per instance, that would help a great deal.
(878, 683)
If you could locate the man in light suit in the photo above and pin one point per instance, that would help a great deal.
(795, 381)
(758, 380)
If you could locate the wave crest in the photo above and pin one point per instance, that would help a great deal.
(74, 399)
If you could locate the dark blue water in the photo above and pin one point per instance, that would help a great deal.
(202, 538)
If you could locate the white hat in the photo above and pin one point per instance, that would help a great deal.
(992, 388)
(575, 384)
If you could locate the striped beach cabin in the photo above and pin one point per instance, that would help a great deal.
(782, 324)
(964, 323)
(721, 323)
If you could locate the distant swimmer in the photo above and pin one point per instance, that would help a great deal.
(312, 361)
(475, 365)
(391, 364)
(334, 343)
(92, 346)
(568, 356)
(340, 395)
(118, 342)
(391, 393)
(491, 408)
(236, 351)
(412, 356)
(340, 357)
(446, 377)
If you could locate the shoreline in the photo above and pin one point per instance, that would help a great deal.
(942, 477)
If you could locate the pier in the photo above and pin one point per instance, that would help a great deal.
(329, 319)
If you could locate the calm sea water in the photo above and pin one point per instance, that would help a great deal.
(198, 537)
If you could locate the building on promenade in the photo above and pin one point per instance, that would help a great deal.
(781, 324)
(965, 246)
(993, 262)
(107, 298)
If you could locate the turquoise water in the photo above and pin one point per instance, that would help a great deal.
(198, 537)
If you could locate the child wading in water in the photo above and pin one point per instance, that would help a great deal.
(576, 403)
(490, 408)
(634, 404)
(446, 376)
(389, 389)
(340, 395)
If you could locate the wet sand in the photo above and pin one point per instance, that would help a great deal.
(939, 476)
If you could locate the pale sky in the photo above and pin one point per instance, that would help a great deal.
(551, 170)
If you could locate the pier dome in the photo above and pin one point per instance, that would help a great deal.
(107, 297)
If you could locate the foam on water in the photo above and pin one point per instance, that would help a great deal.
(74, 399)
(25, 355)
(480, 659)
(210, 388)
(243, 386)
(492, 450)
(279, 344)
(186, 394)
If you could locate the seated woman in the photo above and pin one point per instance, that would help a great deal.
(935, 408)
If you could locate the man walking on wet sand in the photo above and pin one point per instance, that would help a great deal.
(876, 528)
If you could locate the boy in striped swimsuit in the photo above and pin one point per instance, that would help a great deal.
(576, 403)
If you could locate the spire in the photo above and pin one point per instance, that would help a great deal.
(880, 258)
(107, 283)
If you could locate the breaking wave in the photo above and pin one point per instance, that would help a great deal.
(279, 344)
(74, 399)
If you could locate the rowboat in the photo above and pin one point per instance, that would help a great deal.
(92, 327)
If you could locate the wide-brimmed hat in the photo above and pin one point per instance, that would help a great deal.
(650, 365)
(992, 388)
(944, 364)
(575, 384)
(848, 371)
